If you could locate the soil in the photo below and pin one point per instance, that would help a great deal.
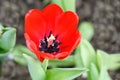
(14, 71)
(104, 14)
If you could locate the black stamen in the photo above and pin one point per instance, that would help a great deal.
(50, 34)
(54, 47)
(56, 37)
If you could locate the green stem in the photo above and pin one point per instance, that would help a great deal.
(45, 64)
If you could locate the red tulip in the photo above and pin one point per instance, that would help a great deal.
(51, 33)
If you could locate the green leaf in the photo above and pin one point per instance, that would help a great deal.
(87, 53)
(112, 61)
(104, 74)
(69, 6)
(35, 68)
(102, 68)
(58, 2)
(7, 40)
(99, 71)
(1, 27)
(69, 61)
(100, 61)
(64, 73)
(93, 73)
(65, 5)
(87, 30)
(78, 58)
(115, 61)
(18, 52)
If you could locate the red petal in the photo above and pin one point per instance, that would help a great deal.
(35, 25)
(66, 29)
(61, 55)
(31, 45)
(66, 25)
(70, 43)
(45, 55)
(51, 13)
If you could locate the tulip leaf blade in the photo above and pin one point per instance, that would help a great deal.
(87, 53)
(69, 61)
(87, 30)
(65, 5)
(112, 61)
(18, 54)
(58, 2)
(78, 58)
(7, 40)
(35, 68)
(69, 6)
(104, 74)
(64, 73)
(93, 73)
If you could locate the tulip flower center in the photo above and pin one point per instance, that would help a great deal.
(49, 44)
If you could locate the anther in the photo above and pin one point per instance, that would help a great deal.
(49, 44)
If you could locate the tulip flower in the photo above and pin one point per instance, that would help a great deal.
(51, 33)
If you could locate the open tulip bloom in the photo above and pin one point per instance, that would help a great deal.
(51, 33)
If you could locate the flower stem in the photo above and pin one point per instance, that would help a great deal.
(45, 64)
